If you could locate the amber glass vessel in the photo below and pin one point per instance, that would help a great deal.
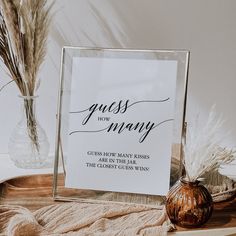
(189, 204)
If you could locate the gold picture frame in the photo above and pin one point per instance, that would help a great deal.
(60, 192)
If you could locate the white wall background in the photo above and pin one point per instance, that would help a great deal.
(205, 27)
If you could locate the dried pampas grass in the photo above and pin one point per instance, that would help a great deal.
(202, 151)
(24, 26)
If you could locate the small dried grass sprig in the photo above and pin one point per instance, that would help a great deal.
(202, 151)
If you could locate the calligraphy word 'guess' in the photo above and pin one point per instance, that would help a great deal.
(113, 107)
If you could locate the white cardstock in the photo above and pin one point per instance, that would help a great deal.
(121, 125)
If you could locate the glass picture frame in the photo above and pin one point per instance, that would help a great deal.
(120, 124)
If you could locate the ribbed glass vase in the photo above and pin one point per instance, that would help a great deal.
(189, 204)
(28, 145)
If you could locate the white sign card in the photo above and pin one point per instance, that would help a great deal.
(121, 124)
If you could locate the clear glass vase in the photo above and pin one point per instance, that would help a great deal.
(28, 145)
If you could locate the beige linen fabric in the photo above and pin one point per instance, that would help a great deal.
(110, 219)
(84, 219)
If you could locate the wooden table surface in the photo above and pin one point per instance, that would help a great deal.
(22, 191)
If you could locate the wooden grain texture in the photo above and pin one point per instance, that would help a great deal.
(34, 192)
